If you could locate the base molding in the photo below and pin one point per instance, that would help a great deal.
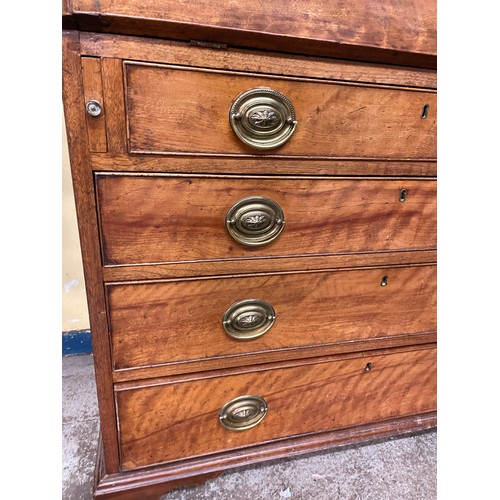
(153, 482)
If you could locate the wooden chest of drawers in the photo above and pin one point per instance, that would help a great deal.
(258, 228)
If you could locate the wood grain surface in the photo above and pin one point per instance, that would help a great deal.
(157, 218)
(150, 483)
(256, 165)
(158, 323)
(92, 87)
(79, 151)
(173, 109)
(168, 422)
(270, 265)
(388, 30)
(182, 53)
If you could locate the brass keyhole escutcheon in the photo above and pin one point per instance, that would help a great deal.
(262, 118)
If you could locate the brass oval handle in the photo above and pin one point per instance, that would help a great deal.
(262, 118)
(248, 319)
(243, 413)
(255, 221)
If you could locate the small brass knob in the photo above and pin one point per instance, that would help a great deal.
(243, 413)
(255, 221)
(248, 319)
(262, 118)
(93, 108)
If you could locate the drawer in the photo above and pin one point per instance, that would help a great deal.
(168, 421)
(179, 110)
(168, 218)
(264, 316)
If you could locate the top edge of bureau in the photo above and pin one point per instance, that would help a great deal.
(400, 32)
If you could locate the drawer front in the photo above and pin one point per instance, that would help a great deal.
(179, 110)
(173, 322)
(173, 421)
(161, 218)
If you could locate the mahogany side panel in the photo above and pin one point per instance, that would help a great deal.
(162, 218)
(180, 110)
(159, 323)
(75, 116)
(168, 422)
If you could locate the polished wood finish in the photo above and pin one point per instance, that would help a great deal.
(76, 126)
(168, 422)
(154, 177)
(271, 165)
(92, 85)
(155, 481)
(395, 31)
(180, 53)
(271, 265)
(159, 323)
(113, 92)
(161, 218)
(181, 110)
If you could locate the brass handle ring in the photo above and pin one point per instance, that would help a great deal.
(243, 413)
(262, 118)
(255, 221)
(248, 319)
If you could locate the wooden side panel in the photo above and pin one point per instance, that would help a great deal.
(183, 111)
(402, 25)
(172, 421)
(74, 109)
(157, 218)
(92, 87)
(173, 322)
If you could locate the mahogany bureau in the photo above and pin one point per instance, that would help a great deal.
(256, 199)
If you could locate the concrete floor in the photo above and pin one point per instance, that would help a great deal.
(396, 469)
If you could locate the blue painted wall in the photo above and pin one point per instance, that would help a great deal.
(76, 342)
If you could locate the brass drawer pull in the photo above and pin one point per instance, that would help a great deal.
(262, 118)
(243, 413)
(248, 319)
(255, 221)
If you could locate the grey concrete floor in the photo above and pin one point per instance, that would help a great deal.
(396, 469)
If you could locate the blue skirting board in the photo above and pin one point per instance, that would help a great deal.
(76, 342)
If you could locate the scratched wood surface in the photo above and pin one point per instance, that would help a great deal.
(167, 422)
(177, 321)
(179, 110)
(162, 218)
(395, 31)
(182, 53)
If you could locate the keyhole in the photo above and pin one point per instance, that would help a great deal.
(403, 194)
(384, 281)
(425, 112)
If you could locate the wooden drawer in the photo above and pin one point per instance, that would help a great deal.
(173, 109)
(179, 321)
(168, 421)
(165, 218)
